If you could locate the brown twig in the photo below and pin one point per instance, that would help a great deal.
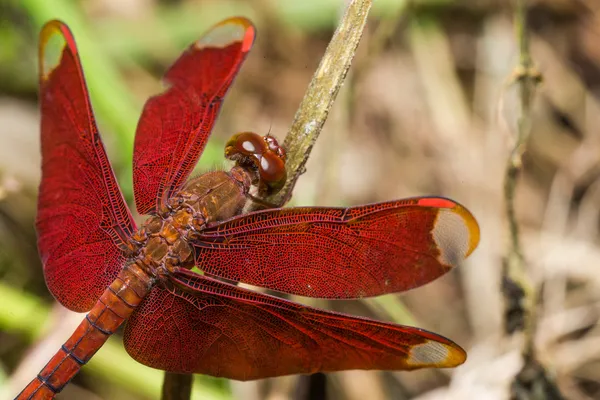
(177, 386)
(516, 280)
(532, 381)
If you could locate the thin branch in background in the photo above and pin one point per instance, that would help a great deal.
(516, 283)
(532, 381)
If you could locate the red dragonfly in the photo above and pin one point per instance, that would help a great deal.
(96, 259)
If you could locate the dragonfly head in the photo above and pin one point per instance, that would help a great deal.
(262, 156)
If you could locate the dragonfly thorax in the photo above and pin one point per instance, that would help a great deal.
(163, 241)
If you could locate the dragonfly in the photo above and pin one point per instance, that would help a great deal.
(173, 278)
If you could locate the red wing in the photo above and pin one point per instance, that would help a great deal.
(209, 327)
(82, 218)
(175, 125)
(341, 252)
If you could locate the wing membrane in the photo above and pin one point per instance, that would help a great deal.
(341, 252)
(82, 220)
(176, 124)
(218, 329)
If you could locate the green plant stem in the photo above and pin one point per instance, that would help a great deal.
(321, 94)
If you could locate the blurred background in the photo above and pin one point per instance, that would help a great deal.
(427, 108)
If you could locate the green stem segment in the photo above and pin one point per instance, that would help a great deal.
(321, 94)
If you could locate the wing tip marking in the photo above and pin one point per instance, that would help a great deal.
(50, 54)
(455, 233)
(235, 29)
(435, 354)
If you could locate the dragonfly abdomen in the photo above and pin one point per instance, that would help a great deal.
(115, 305)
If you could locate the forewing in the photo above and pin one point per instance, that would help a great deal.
(82, 221)
(176, 124)
(341, 252)
(209, 327)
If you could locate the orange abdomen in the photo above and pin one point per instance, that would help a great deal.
(114, 306)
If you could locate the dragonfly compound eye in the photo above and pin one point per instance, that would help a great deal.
(259, 155)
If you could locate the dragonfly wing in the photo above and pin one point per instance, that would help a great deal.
(176, 124)
(83, 221)
(204, 326)
(341, 252)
